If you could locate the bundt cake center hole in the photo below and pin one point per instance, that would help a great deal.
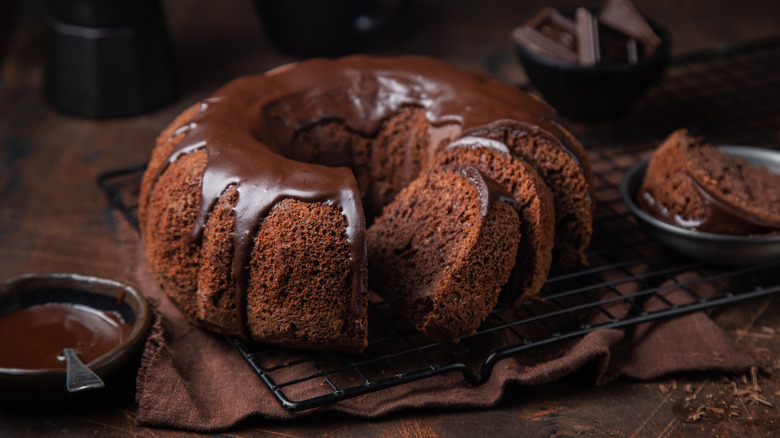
(383, 162)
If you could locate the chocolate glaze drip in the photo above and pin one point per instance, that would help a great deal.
(489, 191)
(246, 127)
(720, 217)
(263, 178)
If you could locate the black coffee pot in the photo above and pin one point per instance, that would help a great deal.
(107, 58)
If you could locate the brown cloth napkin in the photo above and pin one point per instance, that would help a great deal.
(191, 379)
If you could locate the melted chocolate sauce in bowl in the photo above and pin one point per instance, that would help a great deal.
(38, 334)
(103, 321)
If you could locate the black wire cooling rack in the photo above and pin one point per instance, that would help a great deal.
(731, 95)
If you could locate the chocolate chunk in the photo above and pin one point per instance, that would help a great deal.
(623, 16)
(617, 47)
(632, 51)
(555, 26)
(588, 51)
(550, 33)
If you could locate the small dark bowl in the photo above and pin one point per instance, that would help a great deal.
(596, 93)
(719, 249)
(39, 385)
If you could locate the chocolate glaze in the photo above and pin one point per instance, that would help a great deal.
(720, 217)
(479, 142)
(247, 125)
(562, 142)
(33, 337)
(489, 190)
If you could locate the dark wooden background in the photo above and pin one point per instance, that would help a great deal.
(53, 217)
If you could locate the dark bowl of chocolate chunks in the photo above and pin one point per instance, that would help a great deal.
(592, 65)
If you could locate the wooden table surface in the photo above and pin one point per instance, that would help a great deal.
(53, 217)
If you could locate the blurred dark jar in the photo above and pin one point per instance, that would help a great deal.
(325, 27)
(107, 58)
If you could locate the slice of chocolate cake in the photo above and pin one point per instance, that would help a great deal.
(565, 168)
(692, 184)
(443, 249)
(534, 204)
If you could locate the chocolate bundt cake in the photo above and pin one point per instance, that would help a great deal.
(443, 249)
(533, 201)
(692, 184)
(254, 206)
